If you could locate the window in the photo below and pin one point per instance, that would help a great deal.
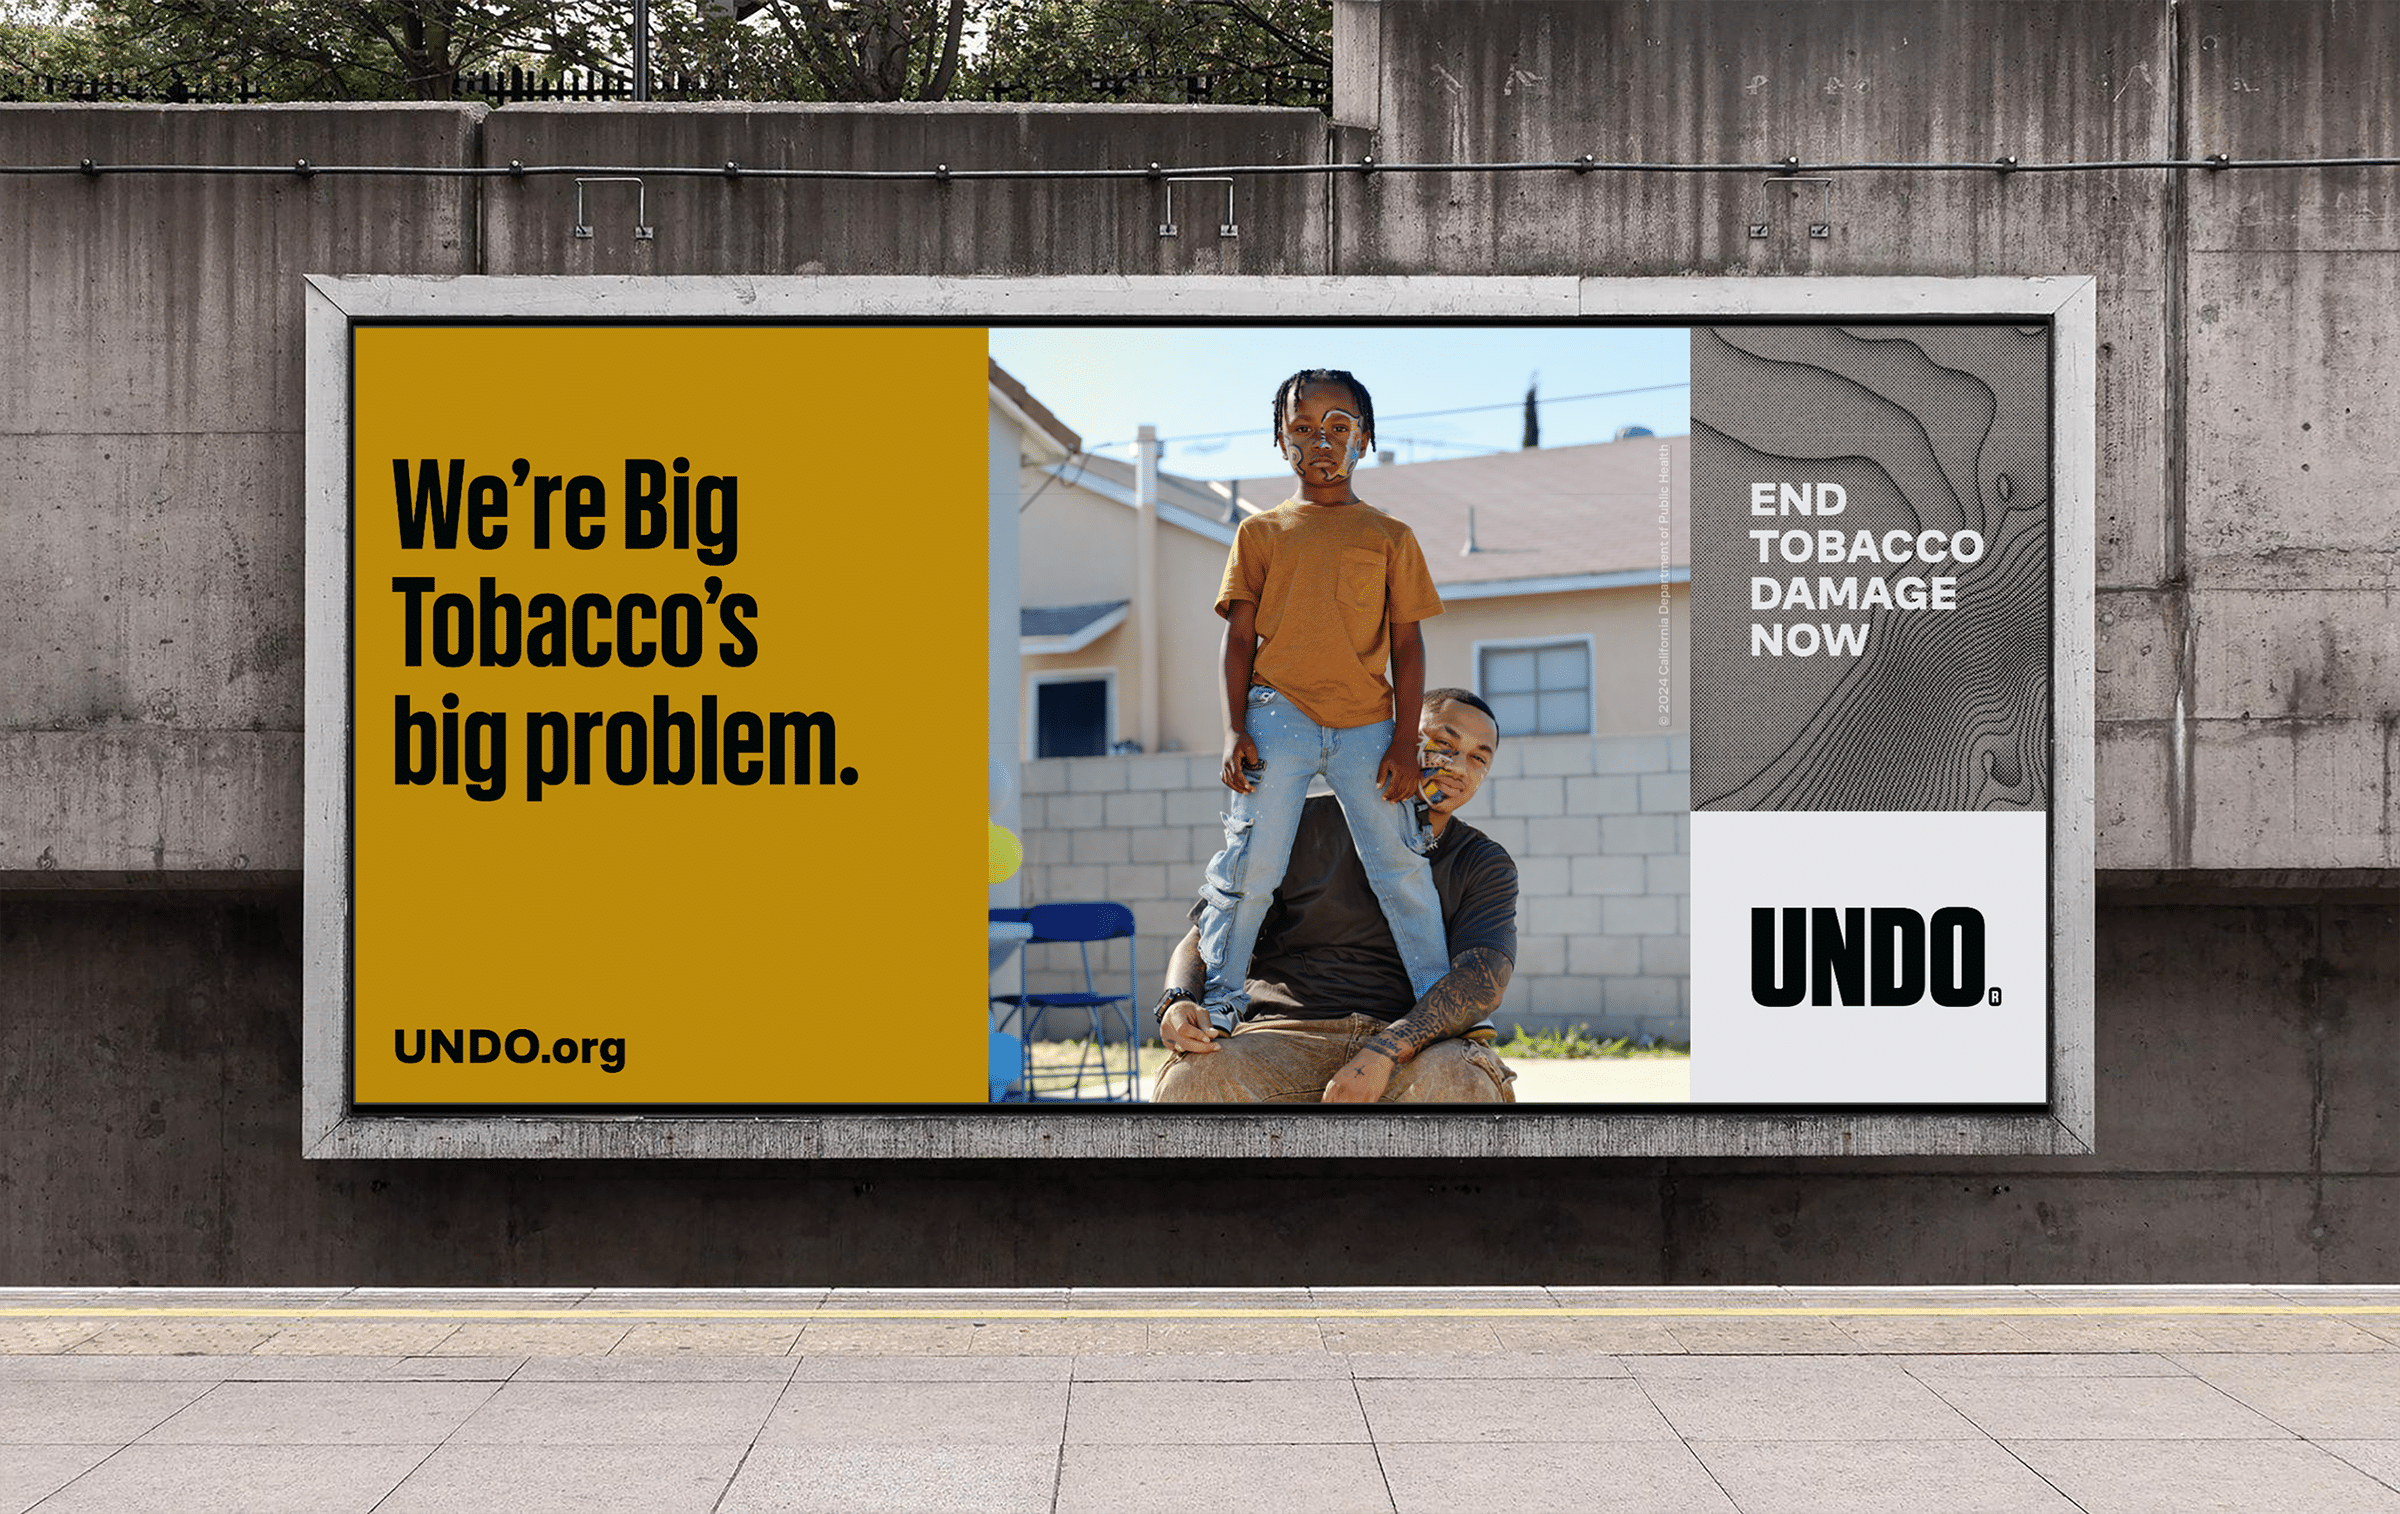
(1543, 690)
(1071, 719)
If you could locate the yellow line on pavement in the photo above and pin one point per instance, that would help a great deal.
(321, 1315)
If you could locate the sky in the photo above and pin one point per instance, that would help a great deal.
(1209, 389)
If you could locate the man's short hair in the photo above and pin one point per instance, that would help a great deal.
(1467, 697)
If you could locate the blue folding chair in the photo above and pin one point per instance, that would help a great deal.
(1111, 1016)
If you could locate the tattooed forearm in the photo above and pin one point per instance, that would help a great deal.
(1470, 991)
(1185, 967)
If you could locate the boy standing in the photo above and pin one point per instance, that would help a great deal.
(1320, 594)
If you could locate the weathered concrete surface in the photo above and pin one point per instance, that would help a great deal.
(2294, 463)
(149, 1100)
(1858, 81)
(150, 453)
(972, 227)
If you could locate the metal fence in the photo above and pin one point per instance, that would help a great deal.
(505, 87)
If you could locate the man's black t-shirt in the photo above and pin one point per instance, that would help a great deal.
(1324, 950)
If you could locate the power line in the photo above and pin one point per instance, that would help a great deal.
(1422, 415)
(943, 173)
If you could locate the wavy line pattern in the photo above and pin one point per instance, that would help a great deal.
(1945, 710)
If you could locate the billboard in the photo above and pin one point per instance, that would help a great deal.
(723, 703)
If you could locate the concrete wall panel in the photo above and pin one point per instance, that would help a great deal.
(716, 226)
(150, 579)
(1686, 81)
(173, 303)
(151, 799)
(2293, 792)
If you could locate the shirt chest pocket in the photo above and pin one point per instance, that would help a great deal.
(1361, 582)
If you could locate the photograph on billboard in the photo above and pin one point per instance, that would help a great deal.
(771, 715)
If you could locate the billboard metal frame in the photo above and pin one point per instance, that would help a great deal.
(331, 1128)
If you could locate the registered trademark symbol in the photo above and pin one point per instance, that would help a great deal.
(1995, 996)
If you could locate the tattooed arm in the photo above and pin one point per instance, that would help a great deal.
(1469, 992)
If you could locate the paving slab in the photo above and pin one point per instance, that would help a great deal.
(2337, 1397)
(1254, 1414)
(1653, 1478)
(176, 1337)
(85, 1413)
(1224, 1367)
(918, 1413)
(359, 1338)
(1916, 1334)
(709, 1338)
(1510, 1411)
(239, 1479)
(854, 1368)
(533, 1338)
(1069, 1337)
(620, 1414)
(2379, 1459)
(836, 1479)
(2105, 1409)
(1222, 1479)
(29, 1474)
(40, 1337)
(1796, 1398)
(1788, 1335)
(827, 1334)
(463, 1479)
(2205, 1477)
(1633, 1336)
(1877, 1477)
(203, 1369)
(694, 1368)
(1239, 1337)
(1507, 1364)
(1387, 1337)
(1927, 1367)
(322, 1414)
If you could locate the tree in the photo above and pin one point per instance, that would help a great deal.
(321, 49)
(875, 49)
(1248, 51)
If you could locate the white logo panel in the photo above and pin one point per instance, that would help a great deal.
(1876, 919)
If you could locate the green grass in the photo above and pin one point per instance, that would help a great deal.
(1577, 1043)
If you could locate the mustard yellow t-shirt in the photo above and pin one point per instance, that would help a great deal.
(1330, 581)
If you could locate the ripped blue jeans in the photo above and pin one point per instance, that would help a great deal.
(1241, 879)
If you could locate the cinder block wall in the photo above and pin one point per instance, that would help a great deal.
(1598, 827)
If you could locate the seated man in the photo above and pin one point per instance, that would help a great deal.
(1331, 1016)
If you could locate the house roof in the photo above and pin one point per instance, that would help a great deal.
(1034, 410)
(1067, 628)
(1545, 519)
(1541, 513)
(1063, 620)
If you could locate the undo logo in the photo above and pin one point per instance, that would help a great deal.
(1882, 957)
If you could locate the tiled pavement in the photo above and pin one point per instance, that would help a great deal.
(1449, 1401)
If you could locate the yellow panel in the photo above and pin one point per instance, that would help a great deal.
(770, 943)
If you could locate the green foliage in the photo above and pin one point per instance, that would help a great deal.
(1225, 51)
(1578, 1043)
(1257, 51)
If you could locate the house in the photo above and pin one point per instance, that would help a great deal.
(1551, 564)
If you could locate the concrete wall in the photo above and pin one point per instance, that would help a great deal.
(1600, 829)
(149, 623)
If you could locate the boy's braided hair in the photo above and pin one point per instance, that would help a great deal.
(1292, 388)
